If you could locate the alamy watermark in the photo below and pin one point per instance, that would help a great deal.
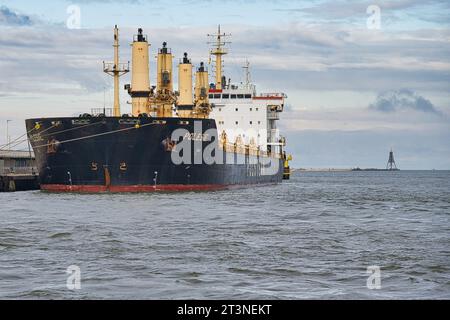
(374, 279)
(73, 281)
(188, 148)
(74, 19)
(374, 20)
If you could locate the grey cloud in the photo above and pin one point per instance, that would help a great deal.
(357, 79)
(299, 57)
(11, 18)
(355, 7)
(395, 100)
(351, 10)
(70, 65)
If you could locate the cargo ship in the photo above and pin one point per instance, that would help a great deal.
(203, 136)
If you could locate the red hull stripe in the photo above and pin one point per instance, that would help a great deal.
(132, 188)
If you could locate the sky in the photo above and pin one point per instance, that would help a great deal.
(361, 77)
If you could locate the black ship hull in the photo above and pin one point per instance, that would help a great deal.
(111, 154)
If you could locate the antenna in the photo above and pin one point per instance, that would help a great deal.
(104, 101)
(246, 67)
(218, 42)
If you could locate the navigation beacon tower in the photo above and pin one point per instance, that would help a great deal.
(391, 162)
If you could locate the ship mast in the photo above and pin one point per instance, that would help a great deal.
(218, 51)
(116, 69)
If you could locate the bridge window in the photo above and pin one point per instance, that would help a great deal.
(20, 163)
(217, 96)
(240, 96)
(233, 96)
(248, 96)
(225, 96)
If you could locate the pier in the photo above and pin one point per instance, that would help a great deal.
(19, 182)
(18, 171)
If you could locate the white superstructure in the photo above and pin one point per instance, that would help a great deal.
(244, 115)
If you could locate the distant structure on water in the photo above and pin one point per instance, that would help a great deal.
(390, 166)
(391, 162)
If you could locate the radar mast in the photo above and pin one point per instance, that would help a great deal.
(116, 69)
(218, 51)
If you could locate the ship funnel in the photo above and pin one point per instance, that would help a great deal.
(164, 68)
(202, 107)
(201, 84)
(140, 80)
(164, 82)
(185, 102)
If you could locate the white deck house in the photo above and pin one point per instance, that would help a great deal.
(242, 113)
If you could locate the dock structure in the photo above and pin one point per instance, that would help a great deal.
(19, 182)
(18, 171)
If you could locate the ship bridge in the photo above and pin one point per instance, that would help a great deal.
(247, 116)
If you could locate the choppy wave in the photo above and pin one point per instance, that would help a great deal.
(311, 237)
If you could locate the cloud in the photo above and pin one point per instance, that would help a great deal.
(11, 18)
(350, 10)
(300, 57)
(34, 63)
(403, 99)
